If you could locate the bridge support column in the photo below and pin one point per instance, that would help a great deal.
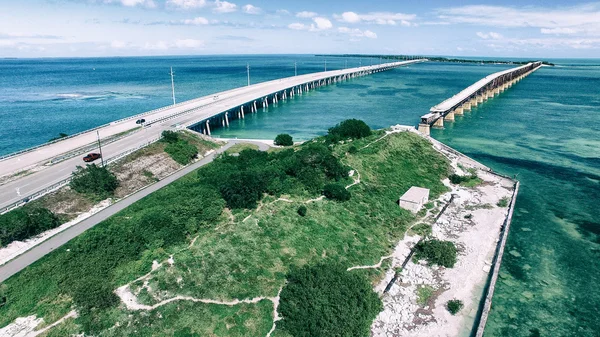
(449, 117)
(459, 111)
(467, 106)
(208, 127)
(479, 99)
(497, 91)
(439, 122)
(242, 111)
(227, 119)
(425, 129)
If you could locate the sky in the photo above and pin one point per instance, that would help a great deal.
(90, 28)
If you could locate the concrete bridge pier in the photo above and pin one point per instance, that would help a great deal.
(207, 127)
(479, 99)
(439, 123)
(424, 129)
(449, 117)
(242, 111)
(467, 106)
(226, 119)
(459, 111)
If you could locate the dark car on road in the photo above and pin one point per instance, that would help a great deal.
(91, 157)
(140, 121)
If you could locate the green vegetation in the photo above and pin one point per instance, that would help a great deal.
(422, 229)
(170, 137)
(424, 293)
(25, 222)
(237, 148)
(348, 129)
(284, 139)
(336, 192)
(326, 300)
(180, 150)
(352, 149)
(242, 180)
(237, 254)
(454, 306)
(470, 180)
(438, 252)
(302, 210)
(94, 181)
(503, 202)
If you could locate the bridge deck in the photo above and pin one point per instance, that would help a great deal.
(457, 99)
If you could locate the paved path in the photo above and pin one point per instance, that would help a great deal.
(36, 253)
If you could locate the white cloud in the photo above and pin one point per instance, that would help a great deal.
(249, 9)
(197, 21)
(319, 24)
(583, 19)
(322, 23)
(282, 12)
(224, 7)
(186, 4)
(159, 45)
(380, 18)
(298, 26)
(133, 3)
(490, 35)
(306, 15)
(189, 44)
(559, 31)
(357, 32)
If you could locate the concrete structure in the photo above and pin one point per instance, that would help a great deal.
(474, 95)
(54, 162)
(414, 199)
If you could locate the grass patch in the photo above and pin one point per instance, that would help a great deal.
(421, 229)
(237, 148)
(424, 293)
(454, 306)
(231, 258)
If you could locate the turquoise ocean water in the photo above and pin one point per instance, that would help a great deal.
(545, 130)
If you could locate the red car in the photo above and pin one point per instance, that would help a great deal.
(91, 157)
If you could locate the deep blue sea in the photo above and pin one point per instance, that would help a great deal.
(545, 130)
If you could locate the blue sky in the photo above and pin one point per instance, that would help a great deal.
(511, 28)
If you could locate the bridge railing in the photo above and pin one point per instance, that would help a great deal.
(66, 181)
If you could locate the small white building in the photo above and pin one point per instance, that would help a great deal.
(414, 199)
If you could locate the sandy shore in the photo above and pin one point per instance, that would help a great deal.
(476, 238)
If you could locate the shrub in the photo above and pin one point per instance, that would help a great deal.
(503, 202)
(468, 180)
(94, 180)
(302, 210)
(24, 223)
(350, 128)
(352, 149)
(438, 252)
(336, 192)
(170, 136)
(93, 292)
(284, 140)
(181, 151)
(327, 300)
(454, 306)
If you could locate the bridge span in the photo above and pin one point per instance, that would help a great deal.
(49, 166)
(473, 95)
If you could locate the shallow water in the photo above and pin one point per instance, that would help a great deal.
(545, 130)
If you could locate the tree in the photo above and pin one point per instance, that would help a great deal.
(25, 222)
(302, 210)
(327, 300)
(170, 136)
(336, 192)
(181, 151)
(284, 140)
(95, 180)
(438, 252)
(350, 128)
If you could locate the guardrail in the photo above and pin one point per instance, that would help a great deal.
(64, 182)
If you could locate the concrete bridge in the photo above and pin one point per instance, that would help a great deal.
(44, 168)
(475, 94)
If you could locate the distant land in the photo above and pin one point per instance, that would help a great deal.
(435, 59)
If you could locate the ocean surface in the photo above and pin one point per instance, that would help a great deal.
(545, 130)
